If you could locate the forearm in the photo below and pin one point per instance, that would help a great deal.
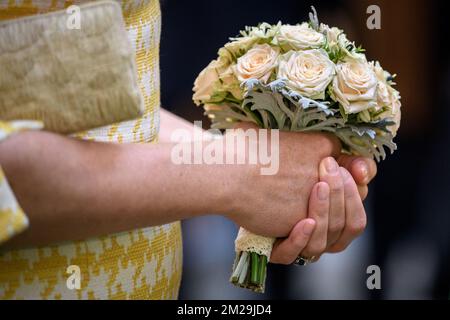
(73, 189)
(170, 122)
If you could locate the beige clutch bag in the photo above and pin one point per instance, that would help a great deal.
(71, 79)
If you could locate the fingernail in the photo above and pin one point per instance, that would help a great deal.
(331, 165)
(322, 191)
(308, 228)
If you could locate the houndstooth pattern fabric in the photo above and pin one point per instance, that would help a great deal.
(139, 264)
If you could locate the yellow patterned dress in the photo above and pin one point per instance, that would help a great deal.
(139, 264)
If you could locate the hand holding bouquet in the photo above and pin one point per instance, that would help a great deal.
(300, 78)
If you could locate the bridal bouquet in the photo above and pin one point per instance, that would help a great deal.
(305, 77)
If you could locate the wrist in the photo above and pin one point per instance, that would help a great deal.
(210, 186)
(223, 182)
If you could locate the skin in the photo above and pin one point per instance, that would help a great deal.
(311, 236)
(80, 189)
(304, 239)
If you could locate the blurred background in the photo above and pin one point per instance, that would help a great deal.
(409, 204)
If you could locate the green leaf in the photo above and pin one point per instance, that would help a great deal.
(275, 106)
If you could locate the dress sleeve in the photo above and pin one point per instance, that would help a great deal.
(12, 218)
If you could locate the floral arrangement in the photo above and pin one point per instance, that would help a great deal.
(305, 77)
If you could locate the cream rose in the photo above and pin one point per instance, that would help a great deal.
(258, 63)
(205, 84)
(384, 90)
(332, 34)
(300, 37)
(336, 37)
(396, 113)
(355, 86)
(230, 83)
(240, 45)
(387, 97)
(394, 110)
(383, 96)
(307, 72)
(216, 80)
(337, 41)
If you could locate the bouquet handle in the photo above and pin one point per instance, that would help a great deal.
(250, 265)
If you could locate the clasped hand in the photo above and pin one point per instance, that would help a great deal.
(313, 204)
(336, 215)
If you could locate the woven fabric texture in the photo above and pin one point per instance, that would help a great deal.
(139, 264)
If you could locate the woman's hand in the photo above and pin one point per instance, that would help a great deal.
(336, 216)
(271, 205)
(363, 170)
(80, 189)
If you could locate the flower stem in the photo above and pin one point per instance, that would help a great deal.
(244, 271)
(249, 271)
(237, 271)
(262, 270)
(254, 266)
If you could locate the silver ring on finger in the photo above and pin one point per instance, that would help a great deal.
(303, 261)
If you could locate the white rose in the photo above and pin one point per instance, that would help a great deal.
(383, 96)
(396, 113)
(355, 86)
(225, 57)
(300, 37)
(258, 63)
(307, 72)
(387, 97)
(332, 34)
(379, 72)
(337, 41)
(205, 84)
(384, 90)
(231, 83)
(394, 110)
(240, 45)
(213, 82)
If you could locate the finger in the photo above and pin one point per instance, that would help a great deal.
(318, 209)
(362, 172)
(362, 169)
(355, 214)
(335, 145)
(363, 192)
(285, 251)
(326, 144)
(329, 172)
